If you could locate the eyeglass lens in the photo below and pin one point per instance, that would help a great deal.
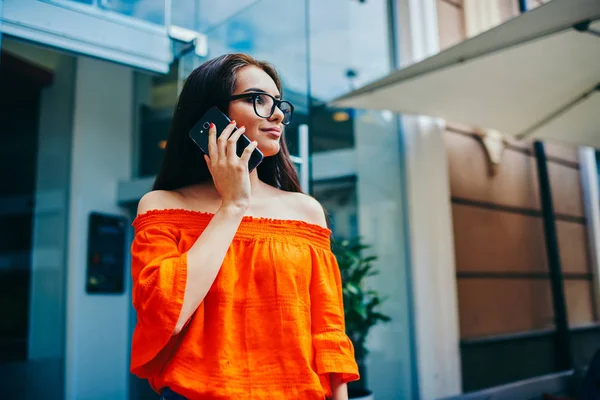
(263, 105)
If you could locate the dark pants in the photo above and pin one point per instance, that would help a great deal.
(168, 394)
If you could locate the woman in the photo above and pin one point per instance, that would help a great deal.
(237, 293)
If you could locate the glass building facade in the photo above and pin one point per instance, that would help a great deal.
(321, 49)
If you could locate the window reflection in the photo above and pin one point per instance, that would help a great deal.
(152, 11)
(339, 198)
(205, 16)
(147, 10)
(156, 96)
(217, 14)
(186, 14)
(332, 128)
(349, 48)
(233, 26)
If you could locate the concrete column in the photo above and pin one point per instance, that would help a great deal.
(429, 213)
(591, 203)
(97, 349)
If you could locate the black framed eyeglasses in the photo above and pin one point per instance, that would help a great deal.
(264, 105)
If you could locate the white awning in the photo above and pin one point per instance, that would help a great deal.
(535, 76)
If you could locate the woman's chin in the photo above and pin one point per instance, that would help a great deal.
(270, 150)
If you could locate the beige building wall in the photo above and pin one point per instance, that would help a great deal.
(501, 265)
(499, 238)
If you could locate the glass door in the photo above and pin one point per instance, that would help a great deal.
(34, 147)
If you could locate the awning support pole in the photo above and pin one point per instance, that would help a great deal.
(564, 359)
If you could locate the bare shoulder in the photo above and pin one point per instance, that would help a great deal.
(308, 208)
(160, 200)
(195, 198)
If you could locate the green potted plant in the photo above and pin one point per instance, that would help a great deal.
(361, 306)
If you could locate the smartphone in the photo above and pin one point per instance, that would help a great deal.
(199, 134)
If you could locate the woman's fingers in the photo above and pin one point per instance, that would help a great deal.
(232, 143)
(212, 142)
(245, 158)
(222, 140)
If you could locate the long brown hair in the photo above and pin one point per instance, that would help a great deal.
(211, 84)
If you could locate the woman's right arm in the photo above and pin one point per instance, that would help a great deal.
(206, 255)
(232, 181)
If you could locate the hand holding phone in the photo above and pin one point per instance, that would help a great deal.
(229, 171)
(199, 134)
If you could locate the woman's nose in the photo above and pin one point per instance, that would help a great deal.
(277, 115)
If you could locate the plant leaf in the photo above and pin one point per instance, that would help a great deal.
(351, 288)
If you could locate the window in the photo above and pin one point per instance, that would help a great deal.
(147, 11)
(152, 11)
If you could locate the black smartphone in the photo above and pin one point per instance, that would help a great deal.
(199, 134)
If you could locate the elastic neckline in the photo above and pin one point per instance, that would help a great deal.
(250, 227)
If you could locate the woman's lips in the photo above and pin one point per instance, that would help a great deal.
(273, 132)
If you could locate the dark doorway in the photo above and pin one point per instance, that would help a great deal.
(21, 85)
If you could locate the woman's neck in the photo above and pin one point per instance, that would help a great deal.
(255, 182)
(208, 188)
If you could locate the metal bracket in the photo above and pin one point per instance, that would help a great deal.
(494, 143)
(191, 40)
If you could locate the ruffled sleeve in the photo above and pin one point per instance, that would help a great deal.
(334, 352)
(159, 273)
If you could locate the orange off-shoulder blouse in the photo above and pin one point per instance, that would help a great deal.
(271, 326)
